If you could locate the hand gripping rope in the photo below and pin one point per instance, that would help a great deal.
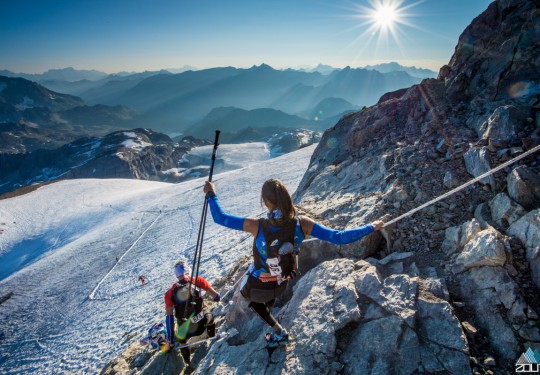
(198, 246)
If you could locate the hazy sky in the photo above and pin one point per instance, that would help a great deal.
(137, 35)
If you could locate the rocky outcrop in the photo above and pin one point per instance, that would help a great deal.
(140, 360)
(353, 318)
(138, 154)
(483, 270)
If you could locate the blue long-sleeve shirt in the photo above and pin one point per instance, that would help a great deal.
(337, 237)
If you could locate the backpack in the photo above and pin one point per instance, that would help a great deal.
(279, 249)
(184, 307)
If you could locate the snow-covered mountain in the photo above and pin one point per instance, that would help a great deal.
(59, 245)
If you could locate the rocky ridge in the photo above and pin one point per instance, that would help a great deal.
(451, 289)
(137, 154)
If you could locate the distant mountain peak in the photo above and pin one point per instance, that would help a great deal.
(262, 67)
(393, 66)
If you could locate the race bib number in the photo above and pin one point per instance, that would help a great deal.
(197, 318)
(273, 266)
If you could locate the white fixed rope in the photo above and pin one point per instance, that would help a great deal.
(461, 187)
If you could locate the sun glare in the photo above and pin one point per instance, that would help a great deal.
(382, 24)
(385, 16)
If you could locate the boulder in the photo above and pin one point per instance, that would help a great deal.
(504, 211)
(486, 290)
(502, 127)
(524, 187)
(138, 359)
(527, 230)
(478, 162)
(355, 318)
(485, 249)
(450, 181)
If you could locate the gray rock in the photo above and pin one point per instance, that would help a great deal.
(504, 211)
(449, 180)
(445, 346)
(437, 287)
(485, 249)
(530, 332)
(400, 293)
(524, 187)
(502, 126)
(346, 316)
(527, 230)
(469, 230)
(485, 289)
(478, 162)
(391, 345)
(136, 359)
(395, 257)
(450, 243)
(482, 213)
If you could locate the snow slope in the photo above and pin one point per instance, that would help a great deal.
(59, 244)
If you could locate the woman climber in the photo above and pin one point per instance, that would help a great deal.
(276, 240)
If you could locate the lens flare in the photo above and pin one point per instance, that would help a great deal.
(332, 142)
(519, 89)
(182, 330)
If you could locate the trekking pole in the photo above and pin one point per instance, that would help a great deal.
(198, 246)
(210, 175)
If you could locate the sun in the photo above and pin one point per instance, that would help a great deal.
(385, 16)
(382, 24)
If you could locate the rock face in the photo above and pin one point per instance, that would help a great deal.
(338, 308)
(455, 289)
(137, 359)
(139, 154)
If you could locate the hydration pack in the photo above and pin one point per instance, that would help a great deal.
(279, 249)
(184, 307)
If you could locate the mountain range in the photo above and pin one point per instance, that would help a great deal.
(395, 67)
(141, 154)
(173, 103)
(33, 117)
(70, 74)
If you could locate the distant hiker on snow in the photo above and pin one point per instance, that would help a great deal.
(142, 279)
(277, 238)
(191, 316)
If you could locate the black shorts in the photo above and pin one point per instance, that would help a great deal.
(262, 292)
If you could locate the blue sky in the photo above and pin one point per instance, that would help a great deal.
(137, 35)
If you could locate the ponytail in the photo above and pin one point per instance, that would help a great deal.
(276, 193)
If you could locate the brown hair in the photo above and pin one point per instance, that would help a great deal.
(276, 193)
